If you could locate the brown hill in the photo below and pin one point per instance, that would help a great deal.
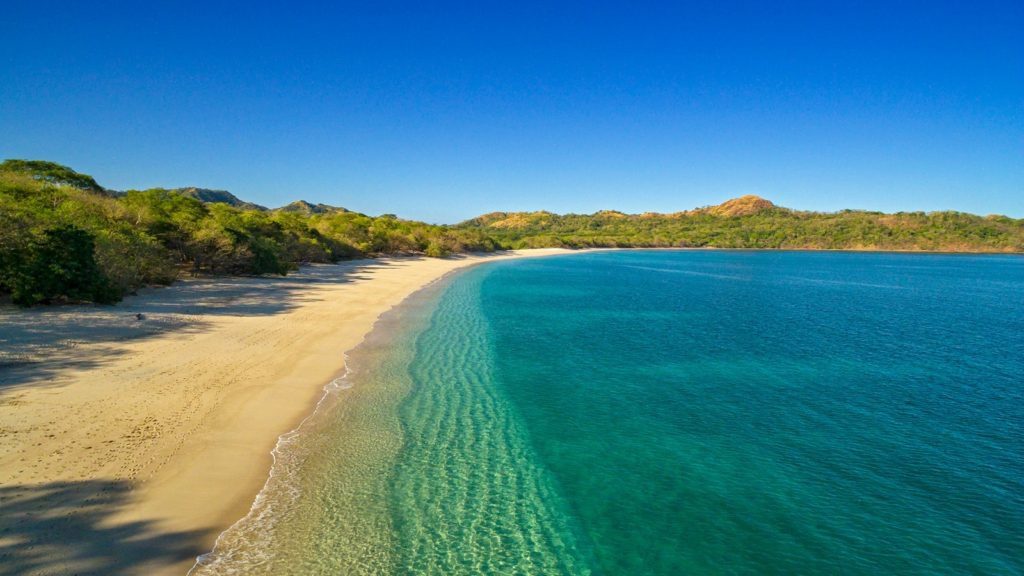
(742, 206)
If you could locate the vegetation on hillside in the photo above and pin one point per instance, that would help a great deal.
(753, 222)
(63, 237)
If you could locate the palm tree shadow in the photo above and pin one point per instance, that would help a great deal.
(66, 528)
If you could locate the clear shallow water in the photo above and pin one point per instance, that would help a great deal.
(670, 413)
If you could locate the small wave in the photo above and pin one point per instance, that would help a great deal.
(252, 532)
(690, 273)
(342, 383)
(246, 544)
(842, 283)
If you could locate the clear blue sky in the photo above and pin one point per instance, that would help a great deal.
(444, 111)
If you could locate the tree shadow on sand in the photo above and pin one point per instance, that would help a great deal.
(65, 528)
(39, 344)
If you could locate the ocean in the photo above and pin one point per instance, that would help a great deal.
(667, 412)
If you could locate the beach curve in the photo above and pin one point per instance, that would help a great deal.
(134, 435)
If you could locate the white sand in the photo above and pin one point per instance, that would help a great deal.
(127, 445)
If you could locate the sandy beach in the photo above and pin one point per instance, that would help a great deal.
(128, 443)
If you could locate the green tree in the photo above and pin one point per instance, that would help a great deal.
(51, 172)
(59, 264)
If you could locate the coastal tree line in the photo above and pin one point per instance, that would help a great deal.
(63, 237)
(765, 228)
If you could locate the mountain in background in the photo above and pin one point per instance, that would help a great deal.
(207, 196)
(308, 209)
(542, 219)
(214, 196)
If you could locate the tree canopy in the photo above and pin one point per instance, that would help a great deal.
(64, 238)
(51, 172)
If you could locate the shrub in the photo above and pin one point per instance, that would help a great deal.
(59, 264)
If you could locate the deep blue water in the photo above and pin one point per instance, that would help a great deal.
(772, 413)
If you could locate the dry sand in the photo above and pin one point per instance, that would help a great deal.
(127, 445)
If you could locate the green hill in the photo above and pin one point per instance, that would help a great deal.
(753, 222)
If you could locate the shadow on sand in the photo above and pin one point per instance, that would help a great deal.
(65, 528)
(38, 344)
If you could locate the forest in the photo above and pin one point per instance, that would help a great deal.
(66, 238)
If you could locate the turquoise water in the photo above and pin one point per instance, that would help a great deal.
(659, 412)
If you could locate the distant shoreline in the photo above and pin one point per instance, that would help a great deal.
(829, 250)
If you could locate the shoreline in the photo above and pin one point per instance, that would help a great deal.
(825, 250)
(351, 402)
(328, 396)
(136, 443)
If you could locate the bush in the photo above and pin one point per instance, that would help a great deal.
(436, 249)
(59, 264)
